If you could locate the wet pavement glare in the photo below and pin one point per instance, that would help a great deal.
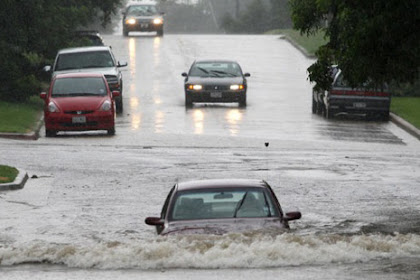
(81, 214)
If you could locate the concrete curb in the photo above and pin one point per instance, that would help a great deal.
(297, 46)
(17, 184)
(405, 125)
(33, 135)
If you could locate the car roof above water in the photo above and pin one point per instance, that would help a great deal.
(221, 183)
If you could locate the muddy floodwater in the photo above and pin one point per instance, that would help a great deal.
(81, 214)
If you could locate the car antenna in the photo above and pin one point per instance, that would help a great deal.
(266, 144)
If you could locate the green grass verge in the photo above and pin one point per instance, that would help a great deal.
(7, 174)
(310, 44)
(20, 117)
(407, 108)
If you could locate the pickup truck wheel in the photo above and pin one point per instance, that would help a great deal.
(314, 106)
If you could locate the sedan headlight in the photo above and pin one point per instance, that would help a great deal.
(52, 108)
(106, 106)
(130, 21)
(236, 87)
(157, 21)
(195, 87)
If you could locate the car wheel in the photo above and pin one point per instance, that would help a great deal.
(242, 101)
(111, 131)
(125, 32)
(160, 32)
(119, 105)
(50, 133)
(314, 106)
(188, 101)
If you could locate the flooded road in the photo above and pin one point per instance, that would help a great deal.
(81, 215)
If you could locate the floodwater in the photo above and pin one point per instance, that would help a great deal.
(81, 214)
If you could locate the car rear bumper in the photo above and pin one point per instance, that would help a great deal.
(65, 122)
(359, 104)
(216, 97)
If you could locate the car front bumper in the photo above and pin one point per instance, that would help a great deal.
(143, 27)
(216, 97)
(101, 120)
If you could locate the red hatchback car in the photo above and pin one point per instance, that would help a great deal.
(79, 102)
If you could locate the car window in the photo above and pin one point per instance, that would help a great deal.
(79, 86)
(219, 204)
(80, 60)
(141, 10)
(224, 69)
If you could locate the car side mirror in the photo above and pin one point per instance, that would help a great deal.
(247, 75)
(47, 68)
(122, 64)
(115, 93)
(290, 216)
(184, 74)
(154, 221)
(43, 95)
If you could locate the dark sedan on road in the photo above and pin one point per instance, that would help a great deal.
(79, 102)
(211, 81)
(142, 17)
(221, 206)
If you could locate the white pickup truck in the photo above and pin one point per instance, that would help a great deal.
(342, 98)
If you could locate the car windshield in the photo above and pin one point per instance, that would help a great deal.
(141, 10)
(79, 87)
(81, 60)
(215, 69)
(223, 203)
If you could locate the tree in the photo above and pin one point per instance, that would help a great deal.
(33, 31)
(375, 40)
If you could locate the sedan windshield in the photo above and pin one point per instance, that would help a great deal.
(79, 87)
(142, 10)
(219, 204)
(215, 69)
(80, 60)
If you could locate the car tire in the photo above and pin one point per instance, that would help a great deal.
(242, 101)
(160, 32)
(314, 106)
(188, 101)
(125, 32)
(111, 131)
(119, 105)
(384, 116)
(50, 133)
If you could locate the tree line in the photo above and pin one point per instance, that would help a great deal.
(33, 31)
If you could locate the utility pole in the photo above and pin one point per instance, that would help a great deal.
(213, 13)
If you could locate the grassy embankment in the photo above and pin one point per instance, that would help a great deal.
(20, 117)
(7, 174)
(406, 107)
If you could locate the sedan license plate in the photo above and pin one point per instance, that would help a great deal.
(144, 25)
(359, 105)
(215, 94)
(81, 119)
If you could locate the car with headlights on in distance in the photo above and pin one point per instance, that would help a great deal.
(142, 16)
(98, 59)
(221, 206)
(215, 81)
(79, 102)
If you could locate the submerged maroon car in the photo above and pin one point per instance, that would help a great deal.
(79, 102)
(219, 207)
